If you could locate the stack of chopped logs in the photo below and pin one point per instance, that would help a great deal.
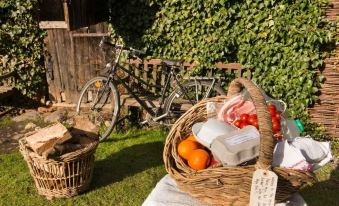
(56, 140)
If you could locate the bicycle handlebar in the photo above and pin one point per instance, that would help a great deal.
(134, 51)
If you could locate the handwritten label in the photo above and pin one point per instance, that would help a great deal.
(238, 139)
(264, 186)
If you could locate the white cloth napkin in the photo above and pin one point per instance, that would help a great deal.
(288, 156)
(166, 193)
(303, 153)
(312, 150)
(327, 159)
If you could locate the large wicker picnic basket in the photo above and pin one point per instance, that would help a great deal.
(67, 176)
(223, 185)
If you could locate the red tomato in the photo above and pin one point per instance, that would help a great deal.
(237, 123)
(254, 116)
(252, 119)
(276, 126)
(255, 123)
(244, 117)
(278, 115)
(279, 136)
(274, 119)
(272, 109)
(243, 124)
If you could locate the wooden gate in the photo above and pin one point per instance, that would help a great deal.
(74, 29)
(72, 59)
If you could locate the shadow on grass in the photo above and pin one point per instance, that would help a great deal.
(127, 162)
(15, 98)
(324, 192)
(126, 137)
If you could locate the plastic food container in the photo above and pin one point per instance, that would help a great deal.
(237, 146)
(206, 132)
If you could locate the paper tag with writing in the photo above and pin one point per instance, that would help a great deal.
(264, 186)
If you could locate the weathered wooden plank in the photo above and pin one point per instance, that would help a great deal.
(52, 90)
(56, 72)
(67, 67)
(153, 61)
(94, 56)
(49, 70)
(53, 25)
(239, 73)
(90, 34)
(86, 59)
(145, 73)
(249, 74)
(221, 65)
(77, 61)
(72, 96)
(66, 15)
(63, 58)
(82, 60)
(154, 76)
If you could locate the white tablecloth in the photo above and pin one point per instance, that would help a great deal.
(166, 193)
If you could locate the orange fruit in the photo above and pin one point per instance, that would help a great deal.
(199, 159)
(186, 147)
(191, 137)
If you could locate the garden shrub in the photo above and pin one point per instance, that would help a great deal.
(21, 45)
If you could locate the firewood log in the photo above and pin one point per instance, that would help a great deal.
(46, 138)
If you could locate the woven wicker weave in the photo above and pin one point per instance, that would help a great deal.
(67, 176)
(228, 185)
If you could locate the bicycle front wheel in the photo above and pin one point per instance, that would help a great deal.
(183, 98)
(99, 101)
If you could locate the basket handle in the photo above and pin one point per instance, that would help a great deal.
(264, 119)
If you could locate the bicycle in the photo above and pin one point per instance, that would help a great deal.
(100, 99)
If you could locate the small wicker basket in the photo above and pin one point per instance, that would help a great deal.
(230, 185)
(64, 177)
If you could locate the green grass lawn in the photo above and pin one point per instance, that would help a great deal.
(126, 170)
(127, 167)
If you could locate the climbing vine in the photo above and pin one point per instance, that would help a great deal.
(282, 41)
(21, 44)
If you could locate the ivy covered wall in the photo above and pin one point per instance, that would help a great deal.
(21, 45)
(283, 41)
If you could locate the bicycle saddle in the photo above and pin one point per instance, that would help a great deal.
(172, 62)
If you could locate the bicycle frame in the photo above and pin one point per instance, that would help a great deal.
(143, 104)
(154, 114)
(136, 97)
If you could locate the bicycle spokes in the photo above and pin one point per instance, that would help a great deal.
(97, 104)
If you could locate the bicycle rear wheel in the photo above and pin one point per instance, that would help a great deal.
(99, 101)
(181, 99)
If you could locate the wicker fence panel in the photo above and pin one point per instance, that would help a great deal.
(326, 112)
